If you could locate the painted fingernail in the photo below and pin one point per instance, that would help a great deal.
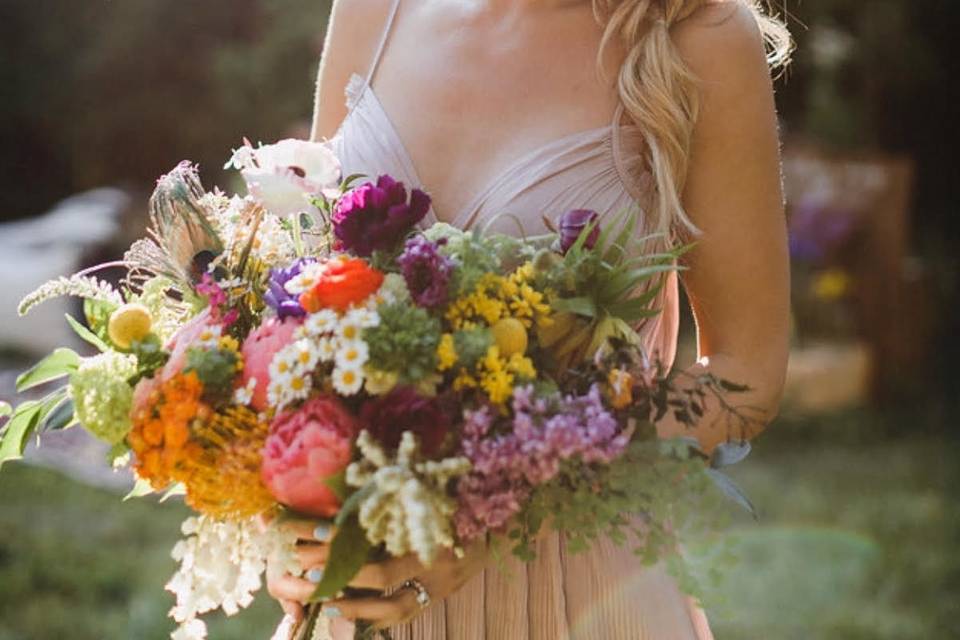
(322, 532)
(331, 612)
(315, 575)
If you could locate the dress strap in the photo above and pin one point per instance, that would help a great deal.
(383, 42)
(619, 161)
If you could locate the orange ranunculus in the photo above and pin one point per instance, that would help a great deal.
(345, 281)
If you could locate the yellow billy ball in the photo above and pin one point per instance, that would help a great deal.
(510, 336)
(129, 323)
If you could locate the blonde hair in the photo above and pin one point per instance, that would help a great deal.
(661, 94)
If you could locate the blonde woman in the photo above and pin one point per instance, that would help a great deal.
(536, 107)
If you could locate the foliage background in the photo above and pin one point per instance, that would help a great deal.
(859, 514)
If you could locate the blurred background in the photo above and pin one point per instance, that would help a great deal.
(856, 481)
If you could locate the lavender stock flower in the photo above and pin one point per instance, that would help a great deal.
(278, 298)
(426, 271)
(376, 216)
(506, 468)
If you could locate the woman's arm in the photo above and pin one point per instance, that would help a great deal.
(353, 33)
(738, 280)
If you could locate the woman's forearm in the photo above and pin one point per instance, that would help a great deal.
(728, 415)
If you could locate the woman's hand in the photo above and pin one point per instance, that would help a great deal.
(443, 577)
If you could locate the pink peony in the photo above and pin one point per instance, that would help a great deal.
(305, 447)
(258, 350)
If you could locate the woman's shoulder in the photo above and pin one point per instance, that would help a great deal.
(354, 31)
(722, 40)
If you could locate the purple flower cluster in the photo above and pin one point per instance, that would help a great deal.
(375, 217)
(278, 298)
(507, 467)
(426, 271)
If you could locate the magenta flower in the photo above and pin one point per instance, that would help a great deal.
(573, 223)
(403, 409)
(305, 448)
(426, 271)
(375, 217)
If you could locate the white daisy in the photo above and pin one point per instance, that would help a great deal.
(209, 338)
(324, 321)
(326, 349)
(348, 331)
(307, 355)
(304, 280)
(347, 381)
(299, 387)
(277, 394)
(362, 317)
(352, 354)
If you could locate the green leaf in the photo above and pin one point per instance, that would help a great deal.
(87, 335)
(5, 409)
(58, 364)
(625, 282)
(177, 489)
(338, 484)
(349, 551)
(352, 503)
(581, 306)
(59, 416)
(15, 432)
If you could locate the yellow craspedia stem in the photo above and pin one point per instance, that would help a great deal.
(510, 336)
(129, 323)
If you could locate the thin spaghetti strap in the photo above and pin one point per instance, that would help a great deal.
(616, 150)
(383, 43)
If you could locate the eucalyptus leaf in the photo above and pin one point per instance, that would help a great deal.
(728, 453)
(58, 364)
(349, 551)
(730, 489)
(87, 335)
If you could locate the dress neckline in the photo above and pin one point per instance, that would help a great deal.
(606, 132)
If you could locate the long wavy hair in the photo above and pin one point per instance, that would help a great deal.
(661, 94)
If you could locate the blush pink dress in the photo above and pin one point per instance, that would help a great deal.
(605, 593)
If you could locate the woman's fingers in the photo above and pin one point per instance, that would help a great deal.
(388, 573)
(293, 609)
(382, 612)
(288, 587)
(311, 530)
(313, 555)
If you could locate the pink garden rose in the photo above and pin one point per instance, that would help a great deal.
(306, 446)
(258, 350)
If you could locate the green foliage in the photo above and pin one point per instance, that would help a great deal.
(471, 345)
(349, 549)
(150, 357)
(217, 370)
(58, 364)
(405, 342)
(31, 417)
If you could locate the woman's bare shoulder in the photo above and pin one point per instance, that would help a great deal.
(353, 33)
(721, 37)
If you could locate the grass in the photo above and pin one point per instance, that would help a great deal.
(856, 541)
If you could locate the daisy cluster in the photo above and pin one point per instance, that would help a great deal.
(327, 338)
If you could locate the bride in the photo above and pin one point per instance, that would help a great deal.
(533, 108)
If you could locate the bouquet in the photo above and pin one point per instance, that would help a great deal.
(307, 350)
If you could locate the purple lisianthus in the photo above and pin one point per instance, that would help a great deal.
(375, 217)
(426, 271)
(573, 223)
(278, 298)
(404, 409)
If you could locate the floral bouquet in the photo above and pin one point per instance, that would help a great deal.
(307, 350)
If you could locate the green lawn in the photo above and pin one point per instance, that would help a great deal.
(857, 540)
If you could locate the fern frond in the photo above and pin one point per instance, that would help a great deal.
(80, 286)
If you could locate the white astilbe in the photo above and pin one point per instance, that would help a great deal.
(273, 245)
(79, 286)
(409, 509)
(221, 567)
